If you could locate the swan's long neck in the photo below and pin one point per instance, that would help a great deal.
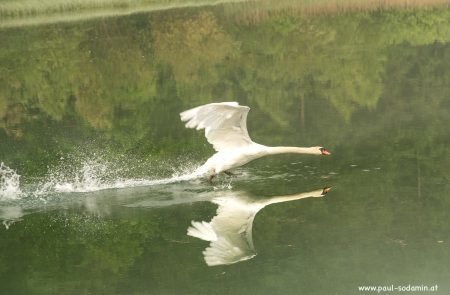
(274, 150)
(281, 199)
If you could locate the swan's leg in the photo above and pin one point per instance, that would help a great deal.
(210, 178)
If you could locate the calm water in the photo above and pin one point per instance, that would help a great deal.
(93, 191)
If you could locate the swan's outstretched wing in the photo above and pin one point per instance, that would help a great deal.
(225, 124)
(230, 232)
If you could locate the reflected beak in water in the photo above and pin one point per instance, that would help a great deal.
(325, 152)
(326, 190)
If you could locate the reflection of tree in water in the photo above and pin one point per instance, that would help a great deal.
(116, 73)
(190, 43)
(193, 46)
(111, 63)
(78, 248)
(124, 76)
(11, 115)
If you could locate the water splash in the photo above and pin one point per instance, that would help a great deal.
(92, 176)
(9, 183)
(91, 173)
(95, 174)
(81, 174)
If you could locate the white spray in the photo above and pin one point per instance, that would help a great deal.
(9, 183)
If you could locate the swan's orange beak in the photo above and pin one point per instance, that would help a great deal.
(325, 152)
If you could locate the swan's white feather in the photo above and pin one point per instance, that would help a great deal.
(230, 231)
(225, 124)
(202, 230)
(223, 252)
(225, 127)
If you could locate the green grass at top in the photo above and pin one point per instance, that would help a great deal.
(32, 12)
(30, 7)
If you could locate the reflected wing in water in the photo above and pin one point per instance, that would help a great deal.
(230, 231)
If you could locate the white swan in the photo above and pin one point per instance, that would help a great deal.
(230, 231)
(225, 127)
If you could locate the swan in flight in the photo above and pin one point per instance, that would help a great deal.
(230, 231)
(225, 125)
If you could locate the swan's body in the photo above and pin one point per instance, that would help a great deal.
(225, 127)
(230, 231)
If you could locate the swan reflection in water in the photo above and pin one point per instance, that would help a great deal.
(10, 214)
(230, 231)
